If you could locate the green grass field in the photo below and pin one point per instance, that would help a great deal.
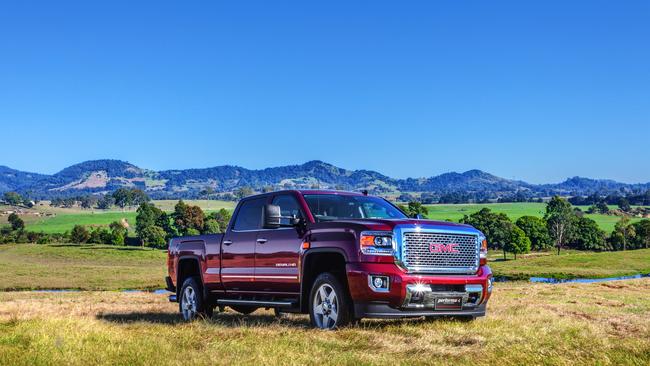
(582, 324)
(65, 219)
(63, 222)
(513, 210)
(85, 267)
(568, 324)
(572, 264)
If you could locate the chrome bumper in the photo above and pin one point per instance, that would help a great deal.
(422, 296)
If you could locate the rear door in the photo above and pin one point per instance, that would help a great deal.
(277, 252)
(238, 247)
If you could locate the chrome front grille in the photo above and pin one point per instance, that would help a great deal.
(431, 252)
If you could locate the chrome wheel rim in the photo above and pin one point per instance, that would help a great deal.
(188, 303)
(326, 307)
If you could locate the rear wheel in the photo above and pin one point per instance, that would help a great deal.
(329, 305)
(191, 303)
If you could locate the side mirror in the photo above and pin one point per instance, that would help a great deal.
(272, 217)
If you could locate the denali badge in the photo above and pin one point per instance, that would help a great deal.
(443, 248)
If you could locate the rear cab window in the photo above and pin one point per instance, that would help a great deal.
(249, 216)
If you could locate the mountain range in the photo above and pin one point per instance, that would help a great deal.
(101, 176)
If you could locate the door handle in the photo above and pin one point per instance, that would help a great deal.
(261, 240)
(227, 242)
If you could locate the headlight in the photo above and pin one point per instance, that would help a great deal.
(484, 249)
(376, 242)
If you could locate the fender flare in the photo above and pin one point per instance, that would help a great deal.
(306, 255)
(178, 272)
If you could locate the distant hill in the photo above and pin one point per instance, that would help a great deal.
(100, 176)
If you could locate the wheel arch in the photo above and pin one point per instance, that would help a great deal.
(188, 266)
(319, 260)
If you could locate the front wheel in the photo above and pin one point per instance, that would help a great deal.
(329, 305)
(191, 304)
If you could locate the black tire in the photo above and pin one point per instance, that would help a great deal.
(244, 309)
(337, 313)
(199, 307)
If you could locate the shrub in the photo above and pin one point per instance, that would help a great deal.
(79, 234)
(153, 236)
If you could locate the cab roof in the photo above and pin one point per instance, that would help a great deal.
(307, 191)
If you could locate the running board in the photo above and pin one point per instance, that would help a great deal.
(271, 304)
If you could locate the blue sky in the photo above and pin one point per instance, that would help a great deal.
(537, 91)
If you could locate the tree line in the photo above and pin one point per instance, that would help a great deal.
(561, 227)
(122, 198)
(155, 227)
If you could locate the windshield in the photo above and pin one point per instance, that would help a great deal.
(328, 207)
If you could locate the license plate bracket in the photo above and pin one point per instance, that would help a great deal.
(449, 303)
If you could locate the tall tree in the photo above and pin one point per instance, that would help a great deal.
(587, 235)
(624, 232)
(106, 202)
(536, 230)
(187, 218)
(137, 197)
(642, 230)
(16, 222)
(12, 198)
(624, 204)
(122, 197)
(243, 192)
(559, 218)
(221, 217)
(497, 227)
(414, 208)
(147, 215)
(517, 241)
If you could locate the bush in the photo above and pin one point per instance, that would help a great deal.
(79, 234)
(153, 236)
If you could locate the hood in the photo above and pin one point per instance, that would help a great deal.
(388, 224)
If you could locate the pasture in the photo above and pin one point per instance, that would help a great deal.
(64, 219)
(80, 267)
(585, 324)
(513, 210)
(566, 324)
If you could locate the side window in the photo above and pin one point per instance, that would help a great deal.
(288, 207)
(249, 216)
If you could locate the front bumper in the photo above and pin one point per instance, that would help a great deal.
(417, 294)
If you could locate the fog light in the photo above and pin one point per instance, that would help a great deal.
(378, 283)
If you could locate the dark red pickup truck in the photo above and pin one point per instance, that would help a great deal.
(338, 256)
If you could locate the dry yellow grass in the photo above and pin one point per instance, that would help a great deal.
(605, 323)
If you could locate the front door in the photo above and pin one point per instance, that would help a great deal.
(238, 247)
(277, 252)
